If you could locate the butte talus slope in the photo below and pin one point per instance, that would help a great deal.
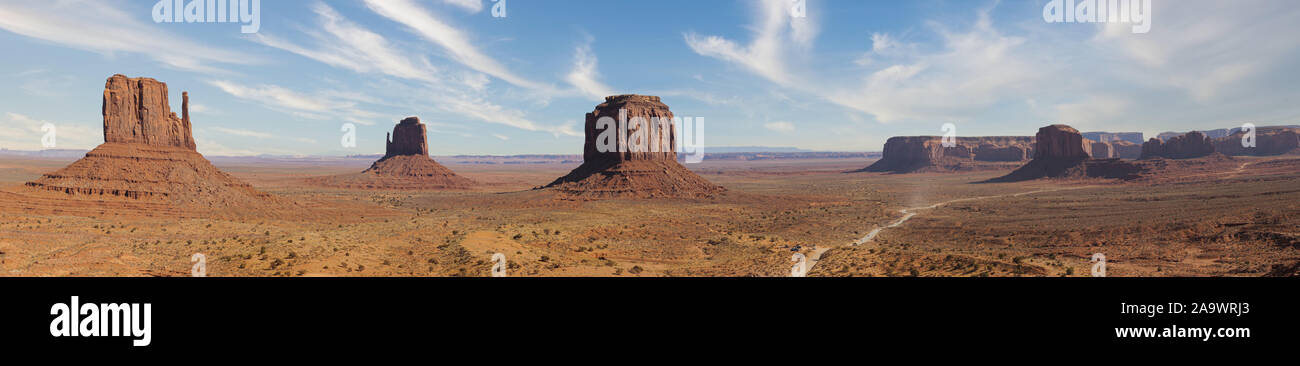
(406, 165)
(147, 162)
(1060, 151)
(631, 152)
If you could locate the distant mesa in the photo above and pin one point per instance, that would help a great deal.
(1132, 137)
(1276, 140)
(147, 162)
(630, 151)
(1269, 140)
(1214, 134)
(1124, 149)
(1062, 152)
(406, 165)
(909, 154)
(1102, 150)
(1191, 145)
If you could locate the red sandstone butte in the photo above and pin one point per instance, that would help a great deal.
(1062, 152)
(147, 162)
(136, 112)
(1191, 145)
(406, 165)
(1060, 142)
(1275, 140)
(630, 151)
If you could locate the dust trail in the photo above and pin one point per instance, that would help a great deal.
(910, 212)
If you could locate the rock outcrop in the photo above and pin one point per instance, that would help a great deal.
(1060, 142)
(1191, 145)
(1126, 150)
(136, 112)
(1214, 134)
(1133, 137)
(409, 137)
(630, 151)
(406, 165)
(1062, 152)
(148, 156)
(1268, 141)
(927, 153)
(1103, 150)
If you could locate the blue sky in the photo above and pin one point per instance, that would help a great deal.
(846, 77)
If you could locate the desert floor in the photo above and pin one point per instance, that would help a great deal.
(1234, 220)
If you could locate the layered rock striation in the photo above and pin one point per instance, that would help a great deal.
(630, 151)
(1268, 141)
(926, 153)
(148, 155)
(406, 165)
(1062, 152)
(1191, 145)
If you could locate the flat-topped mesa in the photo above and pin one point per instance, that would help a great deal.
(917, 153)
(1133, 137)
(1103, 150)
(136, 111)
(630, 127)
(1124, 149)
(1061, 142)
(408, 138)
(1191, 145)
(1268, 141)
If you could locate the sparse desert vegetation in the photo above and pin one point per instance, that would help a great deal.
(1229, 222)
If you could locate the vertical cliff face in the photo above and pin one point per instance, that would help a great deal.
(630, 127)
(136, 111)
(1268, 141)
(406, 165)
(630, 152)
(1126, 150)
(1062, 152)
(1133, 137)
(1060, 142)
(915, 153)
(1102, 150)
(148, 155)
(1191, 145)
(409, 137)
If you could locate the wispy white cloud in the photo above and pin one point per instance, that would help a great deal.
(974, 69)
(319, 106)
(456, 42)
(585, 75)
(344, 44)
(242, 132)
(779, 126)
(472, 6)
(1207, 47)
(259, 134)
(775, 35)
(102, 27)
(21, 132)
